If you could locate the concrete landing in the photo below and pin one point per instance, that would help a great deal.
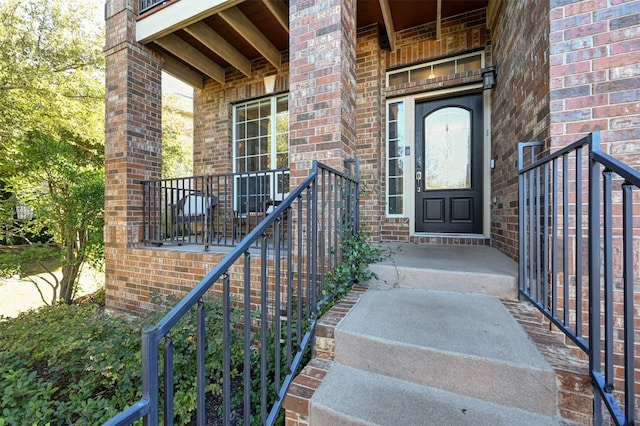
(466, 269)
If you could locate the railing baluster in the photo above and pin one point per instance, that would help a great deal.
(608, 280)
(247, 338)
(277, 308)
(628, 294)
(289, 237)
(201, 411)
(595, 348)
(226, 339)
(554, 254)
(545, 240)
(579, 248)
(299, 254)
(264, 323)
(537, 234)
(565, 236)
(168, 379)
(532, 235)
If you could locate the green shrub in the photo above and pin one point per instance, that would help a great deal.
(71, 364)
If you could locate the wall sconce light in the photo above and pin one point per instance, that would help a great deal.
(489, 78)
(269, 83)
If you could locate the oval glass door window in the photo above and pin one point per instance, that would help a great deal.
(447, 149)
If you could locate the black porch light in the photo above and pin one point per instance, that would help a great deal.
(489, 78)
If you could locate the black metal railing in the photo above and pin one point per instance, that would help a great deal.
(147, 5)
(270, 306)
(578, 254)
(210, 210)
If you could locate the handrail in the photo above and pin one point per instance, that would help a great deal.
(581, 294)
(319, 203)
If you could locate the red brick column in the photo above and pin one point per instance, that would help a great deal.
(133, 124)
(132, 146)
(322, 83)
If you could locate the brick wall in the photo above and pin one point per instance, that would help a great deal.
(594, 74)
(520, 106)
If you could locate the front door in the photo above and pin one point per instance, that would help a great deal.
(448, 180)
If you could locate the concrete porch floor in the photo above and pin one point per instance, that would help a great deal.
(459, 268)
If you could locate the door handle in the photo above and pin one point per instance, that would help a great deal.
(418, 180)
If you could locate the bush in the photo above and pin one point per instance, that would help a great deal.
(75, 364)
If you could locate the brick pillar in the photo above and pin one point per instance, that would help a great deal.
(322, 83)
(132, 147)
(133, 124)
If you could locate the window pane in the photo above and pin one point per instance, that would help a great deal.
(469, 64)
(444, 69)
(252, 164)
(398, 78)
(252, 129)
(447, 149)
(252, 112)
(421, 74)
(283, 105)
(282, 161)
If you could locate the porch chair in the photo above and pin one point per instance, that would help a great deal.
(192, 212)
(250, 212)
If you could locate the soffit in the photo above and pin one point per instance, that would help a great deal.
(221, 34)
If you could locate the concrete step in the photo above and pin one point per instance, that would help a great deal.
(349, 396)
(467, 269)
(455, 350)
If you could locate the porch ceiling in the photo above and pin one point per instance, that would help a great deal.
(204, 39)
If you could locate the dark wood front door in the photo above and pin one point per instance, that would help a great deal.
(448, 180)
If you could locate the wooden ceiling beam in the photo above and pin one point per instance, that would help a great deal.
(214, 41)
(243, 26)
(439, 20)
(388, 23)
(279, 10)
(182, 72)
(183, 50)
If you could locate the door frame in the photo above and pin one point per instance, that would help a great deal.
(409, 128)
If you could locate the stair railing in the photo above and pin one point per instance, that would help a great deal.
(280, 293)
(578, 253)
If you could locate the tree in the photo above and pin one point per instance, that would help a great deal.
(52, 136)
(177, 137)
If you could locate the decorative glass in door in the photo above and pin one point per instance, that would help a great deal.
(447, 149)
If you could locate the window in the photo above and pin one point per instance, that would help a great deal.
(442, 67)
(395, 158)
(261, 143)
